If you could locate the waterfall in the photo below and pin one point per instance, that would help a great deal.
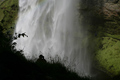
(54, 31)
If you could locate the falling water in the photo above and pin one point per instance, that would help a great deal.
(54, 31)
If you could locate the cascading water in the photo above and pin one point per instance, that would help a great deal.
(55, 32)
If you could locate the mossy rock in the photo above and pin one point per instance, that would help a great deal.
(1, 14)
(9, 12)
(109, 56)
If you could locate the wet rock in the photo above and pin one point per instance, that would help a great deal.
(111, 1)
(111, 9)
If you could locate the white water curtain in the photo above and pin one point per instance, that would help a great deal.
(55, 32)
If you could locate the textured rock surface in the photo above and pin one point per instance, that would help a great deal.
(108, 52)
(8, 15)
(111, 1)
(111, 9)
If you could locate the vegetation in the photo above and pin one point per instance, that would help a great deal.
(15, 66)
(8, 15)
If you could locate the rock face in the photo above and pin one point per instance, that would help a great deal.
(108, 32)
(111, 8)
(8, 15)
(108, 53)
(111, 1)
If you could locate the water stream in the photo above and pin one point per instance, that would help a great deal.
(54, 31)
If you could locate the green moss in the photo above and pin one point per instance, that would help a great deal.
(7, 3)
(1, 14)
(109, 56)
(9, 11)
(113, 36)
(107, 52)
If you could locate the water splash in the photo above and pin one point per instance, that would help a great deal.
(55, 31)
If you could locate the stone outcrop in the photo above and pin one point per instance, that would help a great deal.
(111, 8)
(111, 1)
(108, 52)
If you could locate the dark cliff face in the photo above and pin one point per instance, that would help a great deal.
(8, 15)
(111, 9)
(108, 52)
(112, 1)
(102, 18)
